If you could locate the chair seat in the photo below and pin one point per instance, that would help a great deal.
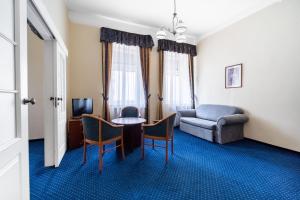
(199, 122)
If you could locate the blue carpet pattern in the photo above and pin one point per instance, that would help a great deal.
(198, 170)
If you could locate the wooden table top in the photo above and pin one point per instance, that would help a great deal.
(128, 120)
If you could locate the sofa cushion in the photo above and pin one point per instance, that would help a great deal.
(199, 122)
(214, 112)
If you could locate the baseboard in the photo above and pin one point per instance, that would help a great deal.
(274, 146)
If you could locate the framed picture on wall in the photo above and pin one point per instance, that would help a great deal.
(234, 76)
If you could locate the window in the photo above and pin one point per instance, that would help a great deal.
(126, 85)
(176, 82)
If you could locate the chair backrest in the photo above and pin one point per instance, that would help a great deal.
(171, 120)
(167, 124)
(130, 111)
(90, 127)
(214, 112)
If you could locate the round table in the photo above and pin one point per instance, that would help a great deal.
(127, 121)
(131, 133)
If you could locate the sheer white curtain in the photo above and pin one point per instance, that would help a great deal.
(126, 85)
(176, 82)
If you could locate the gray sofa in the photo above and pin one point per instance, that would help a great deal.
(215, 123)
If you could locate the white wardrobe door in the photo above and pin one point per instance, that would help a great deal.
(7, 19)
(7, 117)
(7, 65)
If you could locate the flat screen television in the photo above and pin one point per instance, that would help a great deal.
(82, 106)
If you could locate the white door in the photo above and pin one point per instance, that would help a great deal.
(60, 112)
(14, 166)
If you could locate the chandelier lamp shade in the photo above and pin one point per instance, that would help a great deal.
(178, 29)
(180, 38)
(161, 34)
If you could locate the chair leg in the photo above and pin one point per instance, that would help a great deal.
(142, 147)
(153, 144)
(167, 148)
(172, 144)
(100, 158)
(84, 152)
(122, 147)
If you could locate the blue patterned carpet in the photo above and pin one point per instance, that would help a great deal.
(198, 170)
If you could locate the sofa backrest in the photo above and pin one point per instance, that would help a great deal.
(214, 112)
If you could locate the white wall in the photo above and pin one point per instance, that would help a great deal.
(268, 44)
(35, 85)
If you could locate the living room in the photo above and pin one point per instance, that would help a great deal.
(231, 45)
(164, 100)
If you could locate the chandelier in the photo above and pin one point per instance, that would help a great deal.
(178, 29)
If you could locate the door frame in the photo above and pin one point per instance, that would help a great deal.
(50, 59)
(60, 108)
(41, 8)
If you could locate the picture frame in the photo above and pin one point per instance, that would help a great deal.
(234, 76)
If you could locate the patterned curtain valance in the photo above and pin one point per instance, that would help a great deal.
(169, 45)
(122, 37)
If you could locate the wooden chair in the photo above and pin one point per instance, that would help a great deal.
(160, 130)
(97, 131)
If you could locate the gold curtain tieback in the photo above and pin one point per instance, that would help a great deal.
(105, 98)
(160, 98)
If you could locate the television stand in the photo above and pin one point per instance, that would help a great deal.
(78, 117)
(75, 133)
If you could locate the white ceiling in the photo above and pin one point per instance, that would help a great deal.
(201, 16)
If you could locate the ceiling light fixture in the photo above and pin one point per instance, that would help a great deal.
(178, 29)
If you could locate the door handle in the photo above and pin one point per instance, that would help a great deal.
(27, 101)
(56, 101)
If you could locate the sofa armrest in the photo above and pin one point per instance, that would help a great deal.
(186, 113)
(232, 119)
